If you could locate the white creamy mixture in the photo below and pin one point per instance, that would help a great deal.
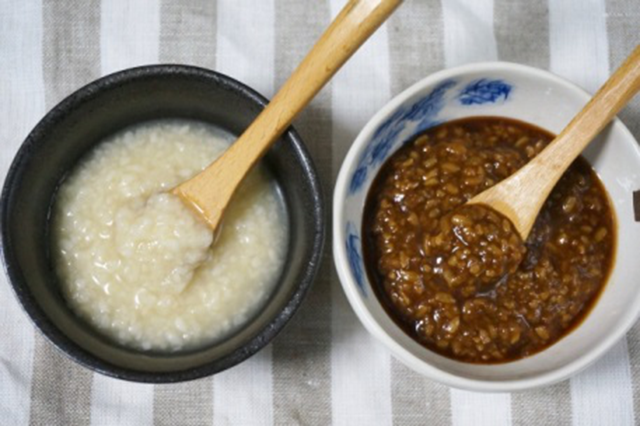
(137, 264)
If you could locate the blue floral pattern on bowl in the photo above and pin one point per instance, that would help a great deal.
(404, 123)
(355, 257)
(484, 91)
(422, 114)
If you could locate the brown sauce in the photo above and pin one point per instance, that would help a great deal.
(452, 276)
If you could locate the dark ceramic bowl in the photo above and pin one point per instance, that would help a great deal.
(72, 129)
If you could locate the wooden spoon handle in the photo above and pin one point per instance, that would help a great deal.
(351, 28)
(521, 196)
(599, 111)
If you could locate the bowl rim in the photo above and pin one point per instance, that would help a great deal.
(350, 287)
(57, 337)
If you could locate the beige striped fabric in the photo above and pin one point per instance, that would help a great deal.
(301, 355)
(324, 368)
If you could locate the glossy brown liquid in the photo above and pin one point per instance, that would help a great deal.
(565, 267)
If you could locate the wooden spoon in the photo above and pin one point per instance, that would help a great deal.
(209, 192)
(521, 196)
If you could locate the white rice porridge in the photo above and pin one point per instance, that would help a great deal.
(139, 266)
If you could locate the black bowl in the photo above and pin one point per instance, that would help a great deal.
(73, 128)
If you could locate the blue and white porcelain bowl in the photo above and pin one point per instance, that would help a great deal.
(507, 90)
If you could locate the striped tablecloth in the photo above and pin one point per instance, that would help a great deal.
(324, 368)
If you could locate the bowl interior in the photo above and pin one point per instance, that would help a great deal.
(525, 94)
(72, 129)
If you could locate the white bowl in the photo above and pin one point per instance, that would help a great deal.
(523, 93)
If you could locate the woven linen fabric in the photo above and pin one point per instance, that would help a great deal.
(324, 368)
